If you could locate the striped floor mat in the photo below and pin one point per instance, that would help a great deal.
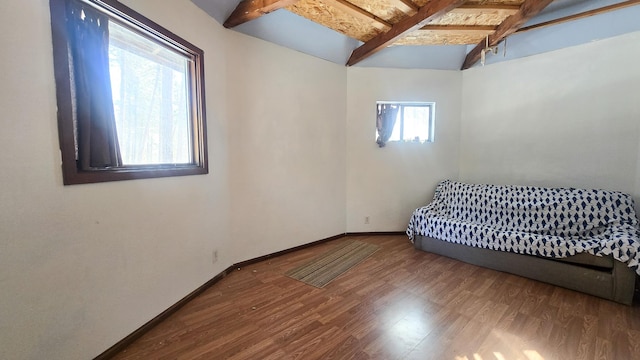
(325, 268)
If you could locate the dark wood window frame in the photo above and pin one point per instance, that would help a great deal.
(72, 173)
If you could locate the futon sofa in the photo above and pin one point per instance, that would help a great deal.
(582, 239)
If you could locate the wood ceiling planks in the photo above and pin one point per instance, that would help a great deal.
(434, 9)
(446, 35)
(363, 13)
(365, 19)
(325, 12)
(465, 25)
(481, 16)
(382, 23)
(391, 11)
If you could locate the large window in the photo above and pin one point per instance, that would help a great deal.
(404, 121)
(130, 95)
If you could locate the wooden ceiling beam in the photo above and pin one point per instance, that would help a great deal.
(410, 8)
(528, 9)
(460, 29)
(581, 15)
(384, 25)
(248, 10)
(433, 9)
(446, 35)
(407, 6)
(492, 8)
(360, 13)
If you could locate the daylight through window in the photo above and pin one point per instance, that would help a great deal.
(404, 121)
(149, 85)
(130, 95)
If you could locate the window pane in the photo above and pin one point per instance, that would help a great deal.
(150, 95)
(416, 123)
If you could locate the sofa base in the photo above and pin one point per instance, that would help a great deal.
(616, 284)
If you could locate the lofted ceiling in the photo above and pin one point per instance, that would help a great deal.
(437, 34)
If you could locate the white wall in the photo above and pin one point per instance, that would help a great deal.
(388, 183)
(287, 146)
(636, 192)
(564, 118)
(83, 266)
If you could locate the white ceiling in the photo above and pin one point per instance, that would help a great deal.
(295, 32)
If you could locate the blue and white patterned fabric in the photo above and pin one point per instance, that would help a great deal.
(549, 222)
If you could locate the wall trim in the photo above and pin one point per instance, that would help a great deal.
(375, 233)
(129, 339)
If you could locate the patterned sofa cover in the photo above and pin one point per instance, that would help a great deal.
(586, 240)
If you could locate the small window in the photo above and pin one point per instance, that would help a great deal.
(404, 121)
(130, 95)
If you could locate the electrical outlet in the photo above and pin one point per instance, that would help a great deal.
(214, 257)
(366, 220)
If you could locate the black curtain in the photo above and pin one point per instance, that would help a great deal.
(96, 135)
(385, 122)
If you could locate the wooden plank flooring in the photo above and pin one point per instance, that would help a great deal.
(400, 303)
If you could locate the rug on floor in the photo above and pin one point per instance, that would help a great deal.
(328, 266)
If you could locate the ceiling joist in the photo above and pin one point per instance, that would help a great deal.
(464, 9)
(381, 24)
(528, 9)
(460, 29)
(431, 10)
(497, 9)
(407, 6)
(446, 35)
(249, 10)
(403, 22)
(358, 12)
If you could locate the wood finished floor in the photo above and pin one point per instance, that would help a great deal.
(398, 304)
